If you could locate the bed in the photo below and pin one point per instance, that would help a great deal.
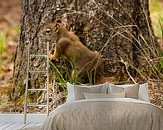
(106, 107)
(106, 114)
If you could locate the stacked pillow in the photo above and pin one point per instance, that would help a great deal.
(142, 92)
(107, 90)
(130, 92)
(102, 95)
(76, 92)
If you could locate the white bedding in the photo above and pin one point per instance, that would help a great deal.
(105, 114)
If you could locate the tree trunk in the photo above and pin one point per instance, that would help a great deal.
(121, 30)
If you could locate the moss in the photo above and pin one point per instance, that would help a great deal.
(20, 101)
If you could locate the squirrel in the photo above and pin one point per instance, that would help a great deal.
(68, 44)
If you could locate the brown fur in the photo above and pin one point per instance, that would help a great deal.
(103, 79)
(69, 45)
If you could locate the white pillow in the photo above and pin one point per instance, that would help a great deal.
(131, 92)
(71, 92)
(103, 95)
(143, 91)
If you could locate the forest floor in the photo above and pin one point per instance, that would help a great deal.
(10, 13)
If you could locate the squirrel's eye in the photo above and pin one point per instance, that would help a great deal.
(48, 31)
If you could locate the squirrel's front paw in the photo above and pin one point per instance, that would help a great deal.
(53, 57)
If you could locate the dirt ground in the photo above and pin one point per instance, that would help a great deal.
(10, 12)
(11, 9)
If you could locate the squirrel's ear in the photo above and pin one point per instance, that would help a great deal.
(58, 24)
(57, 27)
(58, 21)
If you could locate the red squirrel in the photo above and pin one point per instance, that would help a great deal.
(68, 44)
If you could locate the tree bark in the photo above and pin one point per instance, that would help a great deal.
(120, 29)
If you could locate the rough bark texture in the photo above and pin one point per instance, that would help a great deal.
(120, 29)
